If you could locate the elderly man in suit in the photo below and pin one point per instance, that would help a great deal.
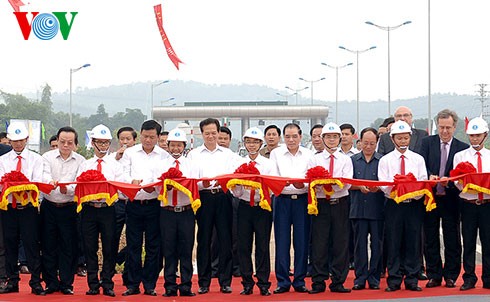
(438, 151)
(402, 113)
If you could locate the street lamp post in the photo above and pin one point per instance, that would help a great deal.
(167, 100)
(297, 91)
(153, 87)
(357, 52)
(311, 85)
(285, 96)
(73, 70)
(337, 87)
(388, 29)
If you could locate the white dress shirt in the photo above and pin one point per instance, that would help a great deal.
(137, 164)
(111, 169)
(187, 170)
(294, 166)
(390, 165)
(32, 164)
(342, 168)
(350, 152)
(470, 155)
(213, 163)
(57, 169)
(265, 167)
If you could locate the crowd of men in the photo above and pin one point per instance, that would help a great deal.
(236, 223)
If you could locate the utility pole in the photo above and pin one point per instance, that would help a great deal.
(483, 96)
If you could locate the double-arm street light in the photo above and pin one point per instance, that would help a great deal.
(357, 52)
(152, 88)
(337, 87)
(297, 91)
(167, 100)
(285, 96)
(388, 29)
(73, 70)
(311, 85)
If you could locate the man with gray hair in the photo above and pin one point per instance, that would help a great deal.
(402, 113)
(438, 152)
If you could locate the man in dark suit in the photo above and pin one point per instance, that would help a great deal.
(402, 113)
(438, 152)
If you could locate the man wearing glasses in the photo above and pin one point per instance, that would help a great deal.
(402, 113)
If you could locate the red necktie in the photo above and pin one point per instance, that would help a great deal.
(330, 169)
(18, 169)
(252, 190)
(480, 168)
(19, 164)
(99, 165)
(174, 190)
(402, 165)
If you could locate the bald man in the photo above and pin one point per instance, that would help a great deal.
(402, 113)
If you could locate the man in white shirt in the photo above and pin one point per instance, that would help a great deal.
(98, 217)
(126, 137)
(331, 227)
(291, 160)
(403, 221)
(253, 221)
(475, 210)
(216, 210)
(59, 215)
(18, 219)
(177, 222)
(316, 138)
(143, 213)
(347, 140)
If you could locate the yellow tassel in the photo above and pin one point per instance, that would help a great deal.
(196, 204)
(312, 209)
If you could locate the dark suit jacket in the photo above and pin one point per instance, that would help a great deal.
(431, 151)
(4, 149)
(386, 144)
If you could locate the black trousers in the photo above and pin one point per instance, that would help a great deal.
(23, 222)
(474, 218)
(143, 218)
(95, 221)
(177, 232)
(3, 271)
(254, 221)
(331, 225)
(120, 208)
(447, 212)
(234, 245)
(403, 223)
(368, 269)
(59, 242)
(215, 211)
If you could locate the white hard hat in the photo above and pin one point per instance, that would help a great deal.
(177, 135)
(254, 132)
(101, 132)
(400, 127)
(477, 126)
(17, 131)
(331, 128)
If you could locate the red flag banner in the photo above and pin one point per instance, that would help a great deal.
(16, 4)
(168, 47)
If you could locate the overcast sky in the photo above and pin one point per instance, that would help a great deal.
(265, 42)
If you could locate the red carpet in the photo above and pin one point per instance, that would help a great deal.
(214, 295)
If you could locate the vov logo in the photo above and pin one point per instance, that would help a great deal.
(45, 26)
